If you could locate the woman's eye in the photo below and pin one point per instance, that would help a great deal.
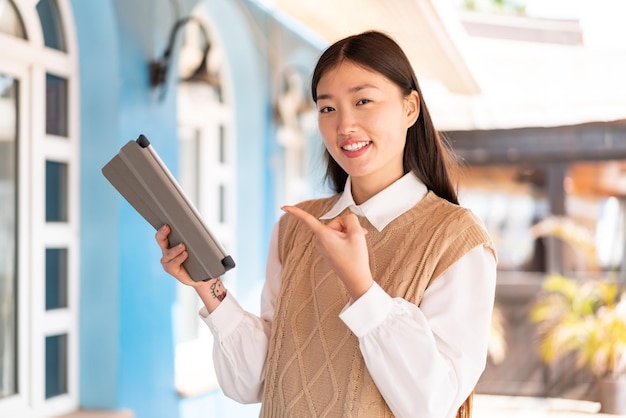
(363, 101)
(326, 109)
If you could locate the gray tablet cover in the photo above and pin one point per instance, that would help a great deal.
(140, 176)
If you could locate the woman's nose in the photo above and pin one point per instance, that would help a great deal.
(346, 123)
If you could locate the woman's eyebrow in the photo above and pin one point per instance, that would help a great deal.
(350, 90)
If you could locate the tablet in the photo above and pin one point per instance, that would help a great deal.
(140, 176)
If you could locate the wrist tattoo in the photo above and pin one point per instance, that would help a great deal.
(218, 290)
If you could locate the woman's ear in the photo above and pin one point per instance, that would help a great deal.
(412, 108)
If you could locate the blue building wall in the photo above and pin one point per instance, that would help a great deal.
(99, 287)
(125, 323)
(126, 303)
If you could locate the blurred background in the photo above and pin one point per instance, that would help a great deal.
(531, 95)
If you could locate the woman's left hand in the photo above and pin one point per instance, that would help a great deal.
(342, 243)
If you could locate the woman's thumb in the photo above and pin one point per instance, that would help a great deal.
(353, 224)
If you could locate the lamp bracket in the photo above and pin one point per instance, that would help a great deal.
(159, 68)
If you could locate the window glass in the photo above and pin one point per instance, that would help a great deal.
(51, 24)
(10, 21)
(189, 166)
(222, 204)
(56, 105)
(56, 365)
(222, 144)
(8, 237)
(56, 278)
(56, 192)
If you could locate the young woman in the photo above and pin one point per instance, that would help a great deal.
(378, 299)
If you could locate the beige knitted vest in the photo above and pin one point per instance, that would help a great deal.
(314, 367)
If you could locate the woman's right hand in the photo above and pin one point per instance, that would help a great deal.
(173, 257)
(342, 244)
(211, 291)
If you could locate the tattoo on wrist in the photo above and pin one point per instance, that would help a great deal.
(218, 290)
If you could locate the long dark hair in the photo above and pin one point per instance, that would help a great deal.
(426, 153)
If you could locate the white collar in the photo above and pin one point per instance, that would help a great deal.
(386, 205)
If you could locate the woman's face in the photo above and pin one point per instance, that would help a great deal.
(363, 118)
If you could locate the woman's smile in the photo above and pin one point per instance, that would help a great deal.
(353, 149)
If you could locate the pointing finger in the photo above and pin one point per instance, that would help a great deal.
(306, 217)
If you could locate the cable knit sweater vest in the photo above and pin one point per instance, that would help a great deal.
(314, 367)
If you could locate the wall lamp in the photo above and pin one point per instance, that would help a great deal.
(159, 68)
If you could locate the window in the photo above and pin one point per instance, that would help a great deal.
(56, 278)
(8, 235)
(10, 20)
(56, 105)
(207, 174)
(56, 192)
(56, 365)
(51, 24)
(38, 209)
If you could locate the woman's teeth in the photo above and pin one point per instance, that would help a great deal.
(355, 146)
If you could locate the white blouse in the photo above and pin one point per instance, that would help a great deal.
(424, 360)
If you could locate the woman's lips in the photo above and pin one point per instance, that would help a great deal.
(355, 149)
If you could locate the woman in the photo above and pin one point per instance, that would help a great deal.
(378, 299)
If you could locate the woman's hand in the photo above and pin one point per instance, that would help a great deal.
(211, 291)
(173, 257)
(342, 243)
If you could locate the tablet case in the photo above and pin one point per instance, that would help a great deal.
(140, 176)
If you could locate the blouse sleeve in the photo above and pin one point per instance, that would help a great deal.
(428, 358)
(241, 339)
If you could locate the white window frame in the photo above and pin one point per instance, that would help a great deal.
(20, 399)
(31, 61)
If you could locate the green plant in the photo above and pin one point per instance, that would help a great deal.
(583, 317)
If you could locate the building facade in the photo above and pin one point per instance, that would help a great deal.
(88, 319)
